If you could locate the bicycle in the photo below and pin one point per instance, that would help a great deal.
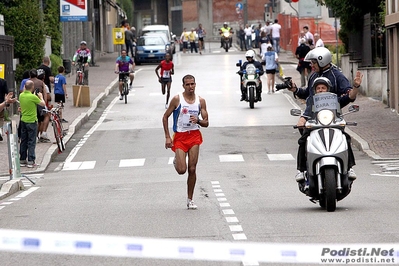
(59, 131)
(80, 74)
(125, 86)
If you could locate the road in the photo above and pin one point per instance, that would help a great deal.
(116, 177)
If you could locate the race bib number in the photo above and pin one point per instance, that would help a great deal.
(166, 74)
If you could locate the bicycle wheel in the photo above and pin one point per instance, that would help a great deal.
(125, 91)
(58, 136)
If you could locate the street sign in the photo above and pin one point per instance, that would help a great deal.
(239, 6)
(118, 35)
(73, 10)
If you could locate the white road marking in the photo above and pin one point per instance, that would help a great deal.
(235, 228)
(214, 182)
(231, 158)
(219, 194)
(217, 190)
(1, 207)
(6, 203)
(131, 162)
(224, 204)
(26, 193)
(280, 157)
(241, 236)
(222, 199)
(215, 186)
(87, 165)
(228, 212)
(232, 219)
(15, 199)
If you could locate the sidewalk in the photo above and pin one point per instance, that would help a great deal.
(102, 81)
(377, 127)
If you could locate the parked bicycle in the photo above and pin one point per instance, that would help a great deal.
(80, 73)
(59, 131)
(125, 86)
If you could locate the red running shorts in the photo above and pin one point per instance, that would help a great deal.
(186, 140)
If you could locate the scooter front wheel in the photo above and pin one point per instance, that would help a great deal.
(251, 96)
(330, 189)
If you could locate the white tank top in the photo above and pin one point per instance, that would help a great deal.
(181, 115)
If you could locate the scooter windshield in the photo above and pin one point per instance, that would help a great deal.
(251, 69)
(326, 100)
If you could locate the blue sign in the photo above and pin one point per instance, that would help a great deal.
(239, 6)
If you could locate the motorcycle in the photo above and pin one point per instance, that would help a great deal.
(226, 36)
(250, 79)
(326, 178)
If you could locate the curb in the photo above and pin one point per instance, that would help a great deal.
(15, 185)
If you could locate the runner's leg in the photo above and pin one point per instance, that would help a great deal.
(192, 166)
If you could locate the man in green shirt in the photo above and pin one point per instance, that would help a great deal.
(28, 102)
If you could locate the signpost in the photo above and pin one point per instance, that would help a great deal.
(73, 10)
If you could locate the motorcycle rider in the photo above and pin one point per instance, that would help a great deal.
(83, 56)
(222, 30)
(250, 55)
(321, 61)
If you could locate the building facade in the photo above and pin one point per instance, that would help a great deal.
(392, 32)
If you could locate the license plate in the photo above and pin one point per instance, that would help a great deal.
(151, 55)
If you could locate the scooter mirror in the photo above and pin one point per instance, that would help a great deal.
(295, 112)
(353, 108)
(238, 64)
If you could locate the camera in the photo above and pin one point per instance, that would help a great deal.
(285, 85)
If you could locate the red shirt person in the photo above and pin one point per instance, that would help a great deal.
(165, 77)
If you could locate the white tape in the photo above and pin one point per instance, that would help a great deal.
(119, 246)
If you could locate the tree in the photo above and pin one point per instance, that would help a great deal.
(24, 21)
(351, 12)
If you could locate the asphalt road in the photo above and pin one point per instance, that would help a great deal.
(119, 180)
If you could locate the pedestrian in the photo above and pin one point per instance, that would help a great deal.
(184, 40)
(192, 37)
(83, 56)
(201, 35)
(25, 78)
(271, 64)
(301, 36)
(39, 87)
(308, 34)
(165, 77)
(3, 93)
(187, 107)
(60, 90)
(303, 67)
(319, 41)
(124, 64)
(29, 99)
(275, 32)
(43, 126)
(268, 30)
(257, 36)
(48, 78)
(129, 39)
(263, 43)
(241, 37)
(248, 37)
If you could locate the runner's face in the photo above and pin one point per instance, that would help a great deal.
(189, 85)
(167, 57)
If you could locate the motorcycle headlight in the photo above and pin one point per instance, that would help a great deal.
(226, 34)
(325, 117)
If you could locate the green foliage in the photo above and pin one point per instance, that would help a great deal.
(52, 25)
(56, 61)
(23, 20)
(127, 6)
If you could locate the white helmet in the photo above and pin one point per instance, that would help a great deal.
(322, 80)
(250, 53)
(83, 42)
(321, 54)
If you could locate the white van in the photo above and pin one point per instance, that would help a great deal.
(160, 29)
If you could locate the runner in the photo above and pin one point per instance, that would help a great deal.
(186, 108)
(165, 77)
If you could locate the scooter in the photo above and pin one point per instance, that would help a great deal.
(326, 178)
(250, 79)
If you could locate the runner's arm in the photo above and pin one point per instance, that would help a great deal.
(172, 106)
(204, 114)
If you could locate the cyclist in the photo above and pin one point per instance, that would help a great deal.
(83, 56)
(165, 77)
(124, 64)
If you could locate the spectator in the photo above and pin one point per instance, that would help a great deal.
(7, 100)
(192, 37)
(48, 77)
(303, 67)
(3, 93)
(42, 130)
(308, 34)
(39, 87)
(275, 31)
(129, 39)
(264, 41)
(319, 41)
(248, 37)
(28, 102)
(25, 78)
(241, 37)
(60, 91)
(271, 64)
(301, 36)
(184, 40)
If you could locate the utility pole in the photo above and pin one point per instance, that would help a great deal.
(245, 7)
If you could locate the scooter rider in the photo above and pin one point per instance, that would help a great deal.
(250, 55)
(222, 30)
(322, 84)
(321, 61)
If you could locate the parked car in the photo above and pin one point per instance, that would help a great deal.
(161, 29)
(151, 48)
